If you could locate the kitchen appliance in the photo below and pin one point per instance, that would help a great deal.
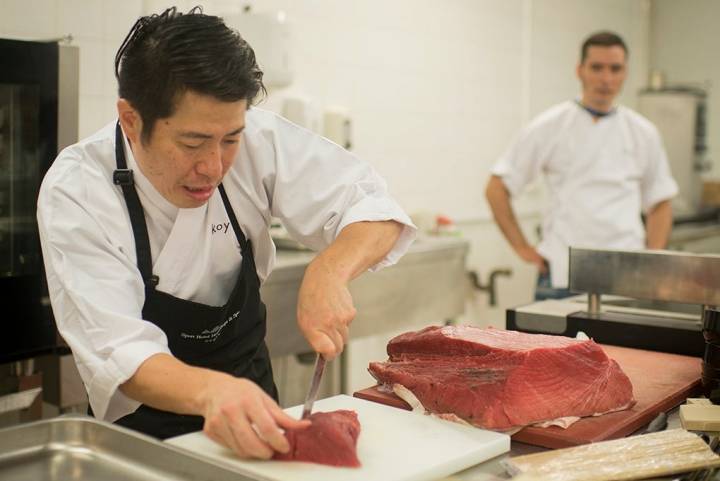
(652, 300)
(394, 445)
(679, 113)
(38, 117)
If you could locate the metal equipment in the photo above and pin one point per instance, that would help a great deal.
(652, 300)
(679, 113)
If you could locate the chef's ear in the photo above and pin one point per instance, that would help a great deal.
(130, 120)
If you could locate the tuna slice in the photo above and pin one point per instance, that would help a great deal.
(330, 439)
(498, 379)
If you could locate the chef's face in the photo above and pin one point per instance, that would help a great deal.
(188, 153)
(602, 74)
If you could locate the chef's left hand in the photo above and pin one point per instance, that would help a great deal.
(325, 308)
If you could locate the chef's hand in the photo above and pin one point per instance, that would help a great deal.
(241, 416)
(529, 254)
(325, 308)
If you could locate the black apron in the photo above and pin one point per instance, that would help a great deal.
(230, 338)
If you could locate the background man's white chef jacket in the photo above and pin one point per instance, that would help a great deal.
(600, 176)
(97, 294)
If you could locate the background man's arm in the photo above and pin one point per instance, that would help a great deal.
(658, 224)
(499, 199)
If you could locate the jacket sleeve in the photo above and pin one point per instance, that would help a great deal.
(95, 288)
(316, 187)
(657, 182)
(522, 162)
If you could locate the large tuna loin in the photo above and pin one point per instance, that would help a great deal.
(330, 439)
(498, 379)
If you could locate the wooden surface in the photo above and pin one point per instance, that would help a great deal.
(393, 445)
(663, 453)
(660, 382)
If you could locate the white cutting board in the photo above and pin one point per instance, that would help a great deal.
(394, 445)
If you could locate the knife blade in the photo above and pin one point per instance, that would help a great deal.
(314, 385)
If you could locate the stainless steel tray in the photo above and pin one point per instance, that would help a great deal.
(77, 447)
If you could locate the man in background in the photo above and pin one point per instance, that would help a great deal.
(604, 165)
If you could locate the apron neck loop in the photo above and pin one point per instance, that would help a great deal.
(123, 177)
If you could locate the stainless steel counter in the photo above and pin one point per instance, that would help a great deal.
(700, 238)
(429, 283)
(81, 448)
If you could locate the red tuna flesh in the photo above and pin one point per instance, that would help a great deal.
(330, 439)
(498, 379)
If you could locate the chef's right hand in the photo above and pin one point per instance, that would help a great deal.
(529, 254)
(241, 416)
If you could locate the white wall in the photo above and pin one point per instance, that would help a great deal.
(684, 45)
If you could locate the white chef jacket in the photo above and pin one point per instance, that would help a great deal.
(314, 186)
(600, 175)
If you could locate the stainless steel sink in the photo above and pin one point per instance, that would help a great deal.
(78, 447)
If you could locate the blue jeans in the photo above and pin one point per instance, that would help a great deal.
(545, 290)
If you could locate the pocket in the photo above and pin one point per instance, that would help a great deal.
(632, 166)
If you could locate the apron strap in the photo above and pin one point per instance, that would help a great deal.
(123, 177)
(233, 220)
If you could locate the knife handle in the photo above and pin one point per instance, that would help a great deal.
(658, 424)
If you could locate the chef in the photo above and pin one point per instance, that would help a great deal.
(154, 232)
(603, 164)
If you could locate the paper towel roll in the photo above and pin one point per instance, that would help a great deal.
(303, 112)
(338, 126)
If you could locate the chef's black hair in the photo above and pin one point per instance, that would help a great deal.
(602, 39)
(167, 54)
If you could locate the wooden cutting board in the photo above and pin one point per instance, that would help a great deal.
(393, 445)
(660, 382)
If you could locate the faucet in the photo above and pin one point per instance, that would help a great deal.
(490, 287)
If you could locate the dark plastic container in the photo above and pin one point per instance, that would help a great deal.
(712, 354)
(711, 358)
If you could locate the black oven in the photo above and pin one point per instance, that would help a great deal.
(38, 117)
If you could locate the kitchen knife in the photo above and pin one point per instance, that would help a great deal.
(314, 385)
